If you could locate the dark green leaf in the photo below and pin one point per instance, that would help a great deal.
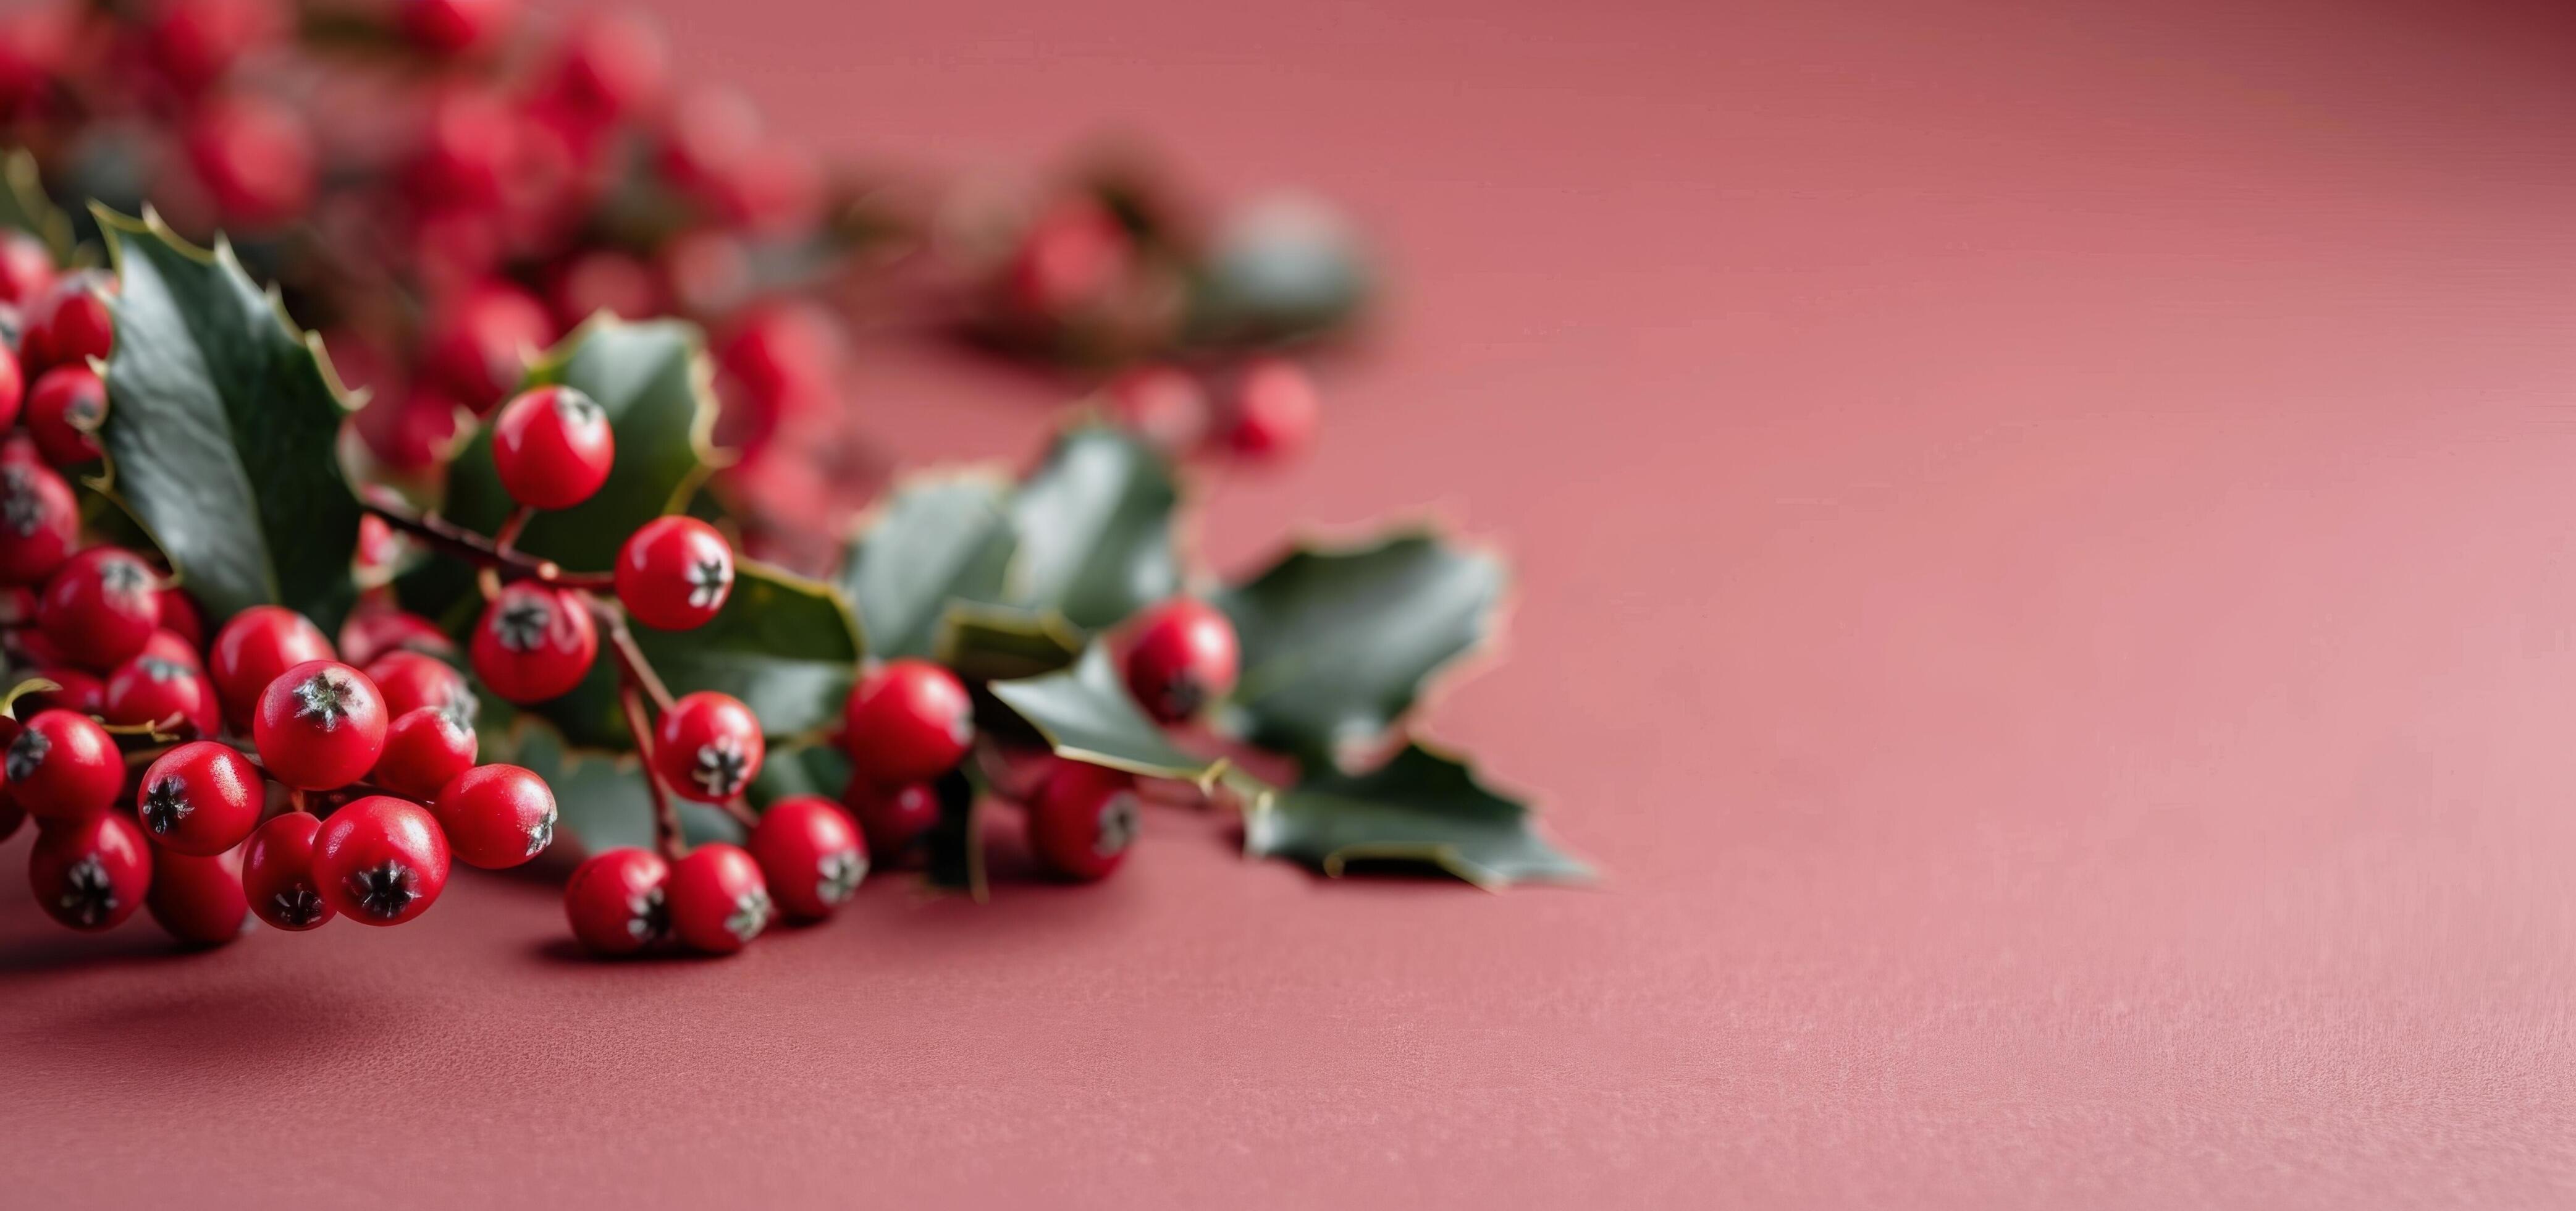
(1422, 807)
(813, 768)
(934, 541)
(991, 643)
(785, 645)
(1337, 643)
(1095, 530)
(1086, 713)
(24, 206)
(222, 430)
(1283, 270)
(600, 797)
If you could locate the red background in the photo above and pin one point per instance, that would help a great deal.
(2045, 582)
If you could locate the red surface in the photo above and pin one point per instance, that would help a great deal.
(2047, 583)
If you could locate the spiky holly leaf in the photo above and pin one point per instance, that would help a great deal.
(221, 430)
(24, 206)
(600, 796)
(1338, 641)
(1422, 808)
(785, 645)
(1086, 714)
(1095, 530)
(935, 541)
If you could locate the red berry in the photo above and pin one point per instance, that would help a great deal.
(26, 268)
(409, 681)
(199, 900)
(277, 873)
(613, 64)
(92, 873)
(533, 643)
(194, 42)
(64, 766)
(810, 854)
(166, 644)
(478, 347)
(177, 614)
(497, 816)
(39, 522)
(64, 412)
(101, 607)
(1182, 658)
(783, 357)
(1272, 412)
(13, 386)
(718, 900)
(380, 860)
(423, 749)
(408, 432)
(320, 726)
(69, 324)
(255, 157)
(892, 819)
(372, 633)
(252, 649)
(172, 695)
(1083, 820)
(615, 901)
(467, 147)
(451, 27)
(708, 747)
(200, 798)
(552, 447)
(908, 721)
(1073, 258)
(75, 691)
(674, 573)
(1161, 404)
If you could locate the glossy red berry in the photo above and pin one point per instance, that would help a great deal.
(1083, 820)
(74, 690)
(891, 819)
(255, 158)
(63, 414)
(180, 616)
(26, 268)
(13, 386)
(320, 726)
(613, 64)
(1273, 411)
(200, 798)
(717, 898)
(68, 324)
(1162, 404)
(674, 573)
(552, 447)
(908, 721)
(277, 873)
(170, 695)
(166, 644)
(199, 900)
(371, 633)
(533, 643)
(1183, 657)
(478, 346)
(409, 681)
(101, 606)
(616, 901)
(39, 522)
(450, 27)
(252, 649)
(708, 747)
(425, 747)
(380, 860)
(64, 766)
(810, 855)
(496, 816)
(91, 873)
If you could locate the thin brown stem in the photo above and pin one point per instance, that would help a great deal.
(631, 663)
(508, 539)
(741, 813)
(456, 540)
(666, 815)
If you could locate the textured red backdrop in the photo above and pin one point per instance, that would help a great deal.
(2046, 582)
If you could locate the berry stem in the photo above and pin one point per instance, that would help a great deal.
(740, 812)
(631, 664)
(465, 544)
(508, 538)
(666, 815)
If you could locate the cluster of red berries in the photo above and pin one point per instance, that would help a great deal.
(1265, 410)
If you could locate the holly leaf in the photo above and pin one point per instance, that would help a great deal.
(601, 797)
(222, 428)
(1086, 714)
(1338, 642)
(1284, 269)
(651, 379)
(991, 643)
(935, 541)
(785, 645)
(812, 768)
(1095, 530)
(25, 207)
(1421, 808)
